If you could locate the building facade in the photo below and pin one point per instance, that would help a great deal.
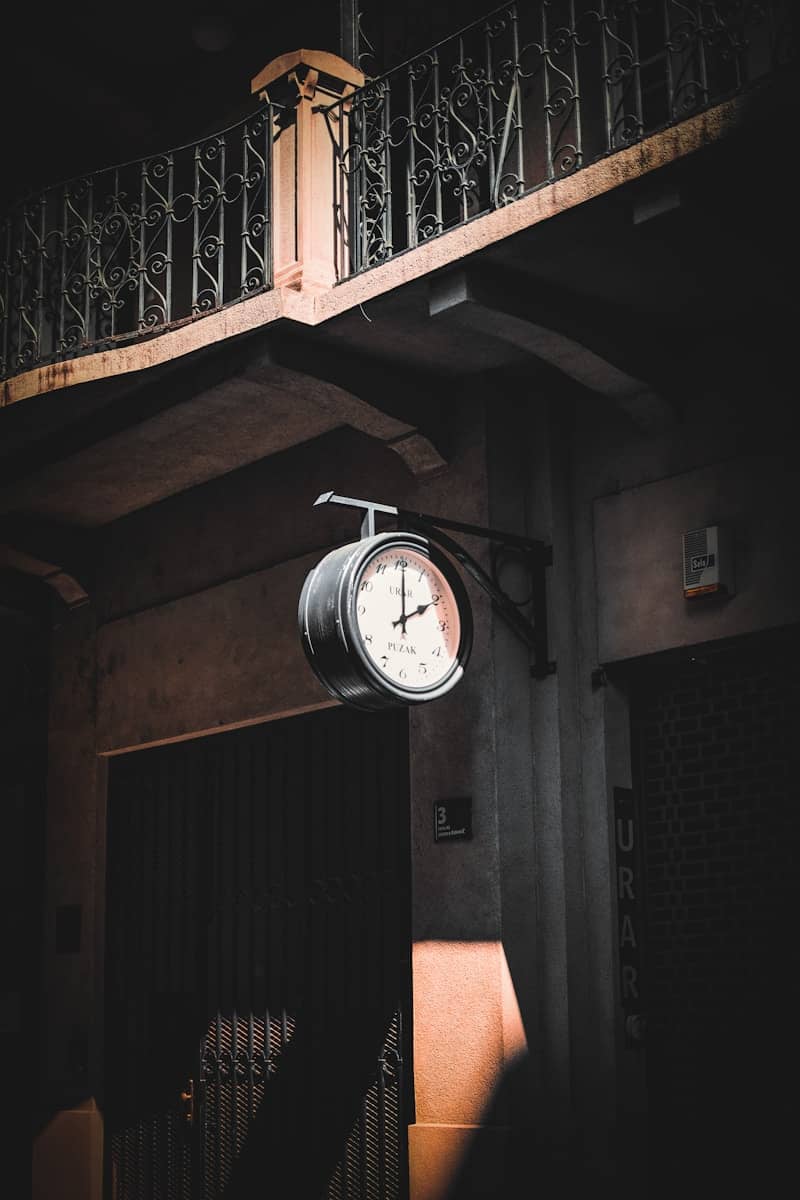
(535, 282)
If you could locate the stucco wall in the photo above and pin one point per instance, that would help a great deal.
(195, 606)
(640, 603)
(516, 1020)
(725, 459)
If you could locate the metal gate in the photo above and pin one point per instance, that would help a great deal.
(258, 963)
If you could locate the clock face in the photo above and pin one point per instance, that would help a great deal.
(408, 618)
(386, 621)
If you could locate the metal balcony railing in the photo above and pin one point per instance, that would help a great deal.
(525, 96)
(529, 94)
(133, 250)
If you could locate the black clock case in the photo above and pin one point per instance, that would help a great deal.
(329, 629)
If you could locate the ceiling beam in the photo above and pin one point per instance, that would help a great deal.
(56, 555)
(547, 331)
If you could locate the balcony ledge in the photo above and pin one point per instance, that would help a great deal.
(314, 304)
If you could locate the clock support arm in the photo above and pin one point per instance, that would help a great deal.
(536, 554)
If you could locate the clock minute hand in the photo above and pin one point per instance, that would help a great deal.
(401, 620)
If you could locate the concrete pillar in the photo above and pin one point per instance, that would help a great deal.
(68, 1144)
(306, 178)
(553, 818)
(469, 1035)
(577, 1030)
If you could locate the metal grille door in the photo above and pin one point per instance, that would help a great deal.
(718, 759)
(258, 963)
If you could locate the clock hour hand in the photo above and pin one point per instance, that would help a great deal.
(421, 608)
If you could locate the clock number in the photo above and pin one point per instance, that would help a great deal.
(381, 567)
(437, 651)
(442, 626)
(402, 673)
(368, 638)
(384, 661)
(401, 564)
(366, 586)
(361, 610)
(435, 599)
(421, 575)
(423, 668)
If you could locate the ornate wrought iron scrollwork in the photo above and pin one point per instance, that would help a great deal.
(421, 146)
(128, 251)
(525, 96)
(513, 102)
(367, 56)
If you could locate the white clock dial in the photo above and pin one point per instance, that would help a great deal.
(408, 618)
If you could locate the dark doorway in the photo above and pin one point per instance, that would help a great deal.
(258, 963)
(25, 622)
(716, 737)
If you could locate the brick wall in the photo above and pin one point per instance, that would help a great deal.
(717, 761)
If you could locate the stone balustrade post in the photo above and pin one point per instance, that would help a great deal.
(306, 182)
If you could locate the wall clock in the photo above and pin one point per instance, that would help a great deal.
(386, 622)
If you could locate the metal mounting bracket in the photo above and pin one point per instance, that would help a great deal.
(536, 555)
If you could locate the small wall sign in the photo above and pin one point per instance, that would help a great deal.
(452, 819)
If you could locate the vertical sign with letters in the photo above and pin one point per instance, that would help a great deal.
(630, 909)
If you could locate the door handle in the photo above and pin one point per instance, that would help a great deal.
(187, 1099)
